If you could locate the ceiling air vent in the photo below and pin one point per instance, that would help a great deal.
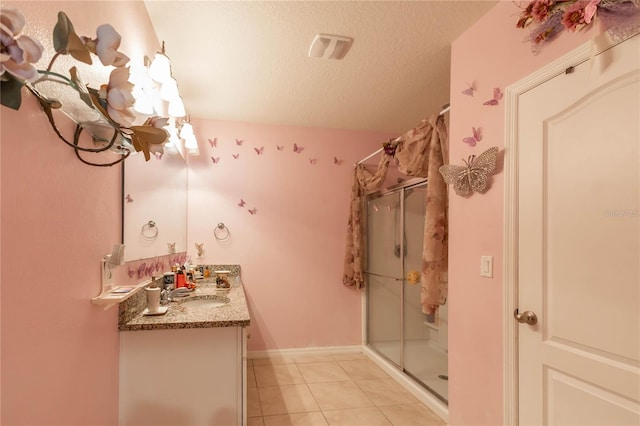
(327, 46)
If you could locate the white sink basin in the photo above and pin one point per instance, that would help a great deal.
(204, 303)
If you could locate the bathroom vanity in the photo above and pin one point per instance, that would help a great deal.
(186, 367)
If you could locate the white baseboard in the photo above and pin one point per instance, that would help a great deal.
(416, 390)
(323, 350)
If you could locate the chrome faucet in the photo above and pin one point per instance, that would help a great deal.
(168, 295)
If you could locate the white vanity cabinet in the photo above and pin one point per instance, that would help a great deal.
(183, 376)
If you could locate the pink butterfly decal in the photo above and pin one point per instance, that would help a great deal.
(235, 156)
(280, 147)
(158, 155)
(215, 160)
(313, 161)
(239, 142)
(497, 95)
(260, 150)
(141, 270)
(213, 142)
(128, 198)
(242, 203)
(337, 161)
(477, 137)
(297, 149)
(131, 272)
(469, 91)
(253, 211)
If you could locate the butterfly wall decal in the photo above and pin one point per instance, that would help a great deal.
(213, 142)
(477, 137)
(235, 156)
(239, 142)
(313, 161)
(260, 150)
(200, 249)
(469, 91)
(242, 203)
(128, 198)
(130, 272)
(215, 160)
(171, 247)
(337, 161)
(497, 96)
(280, 147)
(474, 175)
(297, 149)
(253, 211)
(141, 270)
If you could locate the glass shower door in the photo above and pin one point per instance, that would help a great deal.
(396, 327)
(424, 343)
(384, 276)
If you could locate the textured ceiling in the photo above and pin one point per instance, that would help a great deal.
(247, 61)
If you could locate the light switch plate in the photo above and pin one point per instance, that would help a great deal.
(486, 266)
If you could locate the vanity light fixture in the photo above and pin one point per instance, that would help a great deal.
(189, 137)
(176, 108)
(160, 68)
(173, 143)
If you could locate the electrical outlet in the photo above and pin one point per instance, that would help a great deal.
(486, 266)
(107, 274)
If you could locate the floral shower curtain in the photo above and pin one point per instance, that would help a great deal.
(363, 182)
(420, 153)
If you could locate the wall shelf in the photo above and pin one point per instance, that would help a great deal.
(118, 294)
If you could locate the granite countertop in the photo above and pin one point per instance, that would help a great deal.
(233, 314)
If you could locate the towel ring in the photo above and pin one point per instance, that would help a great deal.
(221, 232)
(150, 230)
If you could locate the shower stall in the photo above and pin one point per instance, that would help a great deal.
(396, 329)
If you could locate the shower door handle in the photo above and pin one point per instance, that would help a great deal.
(383, 276)
(526, 317)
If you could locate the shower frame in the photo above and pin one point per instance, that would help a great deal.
(429, 396)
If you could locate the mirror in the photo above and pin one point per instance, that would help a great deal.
(154, 205)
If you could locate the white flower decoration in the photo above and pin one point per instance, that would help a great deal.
(107, 45)
(18, 52)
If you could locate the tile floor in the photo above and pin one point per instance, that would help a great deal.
(339, 389)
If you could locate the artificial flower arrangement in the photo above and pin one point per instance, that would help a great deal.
(112, 101)
(390, 147)
(549, 17)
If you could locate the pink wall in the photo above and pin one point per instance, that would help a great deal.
(291, 251)
(490, 54)
(59, 218)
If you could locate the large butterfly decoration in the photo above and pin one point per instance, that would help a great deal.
(473, 176)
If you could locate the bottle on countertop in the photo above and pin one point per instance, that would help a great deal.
(180, 279)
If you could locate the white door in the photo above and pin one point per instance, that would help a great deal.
(579, 244)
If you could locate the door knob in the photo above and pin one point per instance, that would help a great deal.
(527, 317)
